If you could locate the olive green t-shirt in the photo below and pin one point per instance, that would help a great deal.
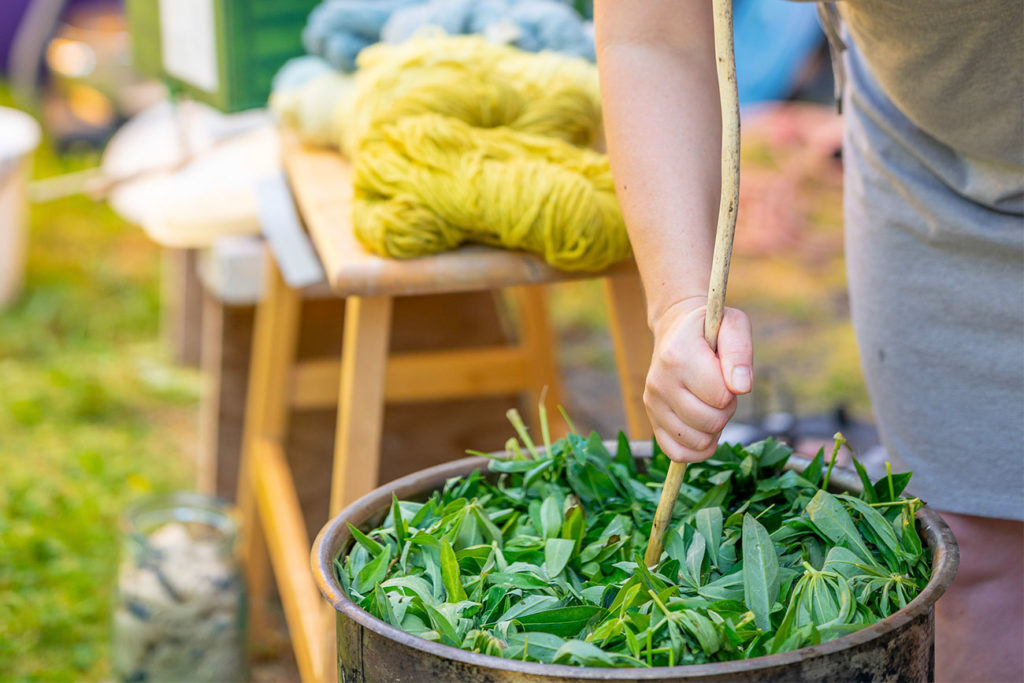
(953, 67)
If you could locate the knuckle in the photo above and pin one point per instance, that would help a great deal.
(672, 357)
(703, 442)
(650, 398)
(730, 410)
(720, 398)
(668, 445)
(718, 422)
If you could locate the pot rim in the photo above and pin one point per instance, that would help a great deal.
(945, 560)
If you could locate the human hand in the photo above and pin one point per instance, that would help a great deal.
(691, 392)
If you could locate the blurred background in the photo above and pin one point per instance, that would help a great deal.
(130, 264)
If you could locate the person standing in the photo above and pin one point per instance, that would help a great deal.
(932, 93)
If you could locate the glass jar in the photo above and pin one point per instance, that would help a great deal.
(180, 613)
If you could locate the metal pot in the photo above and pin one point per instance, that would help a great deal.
(899, 648)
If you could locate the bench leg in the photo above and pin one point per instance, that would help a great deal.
(211, 356)
(538, 341)
(634, 346)
(364, 352)
(266, 418)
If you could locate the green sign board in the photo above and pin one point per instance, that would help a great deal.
(222, 52)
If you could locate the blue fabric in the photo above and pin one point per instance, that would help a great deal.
(773, 41)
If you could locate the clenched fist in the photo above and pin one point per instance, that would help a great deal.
(691, 392)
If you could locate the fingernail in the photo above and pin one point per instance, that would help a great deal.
(741, 378)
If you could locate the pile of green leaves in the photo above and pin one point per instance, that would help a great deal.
(544, 563)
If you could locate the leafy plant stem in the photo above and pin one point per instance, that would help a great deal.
(840, 440)
(524, 435)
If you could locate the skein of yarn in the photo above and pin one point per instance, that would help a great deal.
(471, 79)
(454, 139)
(429, 183)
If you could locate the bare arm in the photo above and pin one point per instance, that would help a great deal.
(663, 125)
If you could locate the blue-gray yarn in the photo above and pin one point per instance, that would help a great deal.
(338, 30)
(552, 26)
(299, 71)
(453, 16)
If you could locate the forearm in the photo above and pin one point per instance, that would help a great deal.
(663, 127)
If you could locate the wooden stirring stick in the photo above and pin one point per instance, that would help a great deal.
(723, 244)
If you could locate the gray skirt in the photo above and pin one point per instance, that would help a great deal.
(935, 258)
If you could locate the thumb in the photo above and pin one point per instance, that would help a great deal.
(736, 351)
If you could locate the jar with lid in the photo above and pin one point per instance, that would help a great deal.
(180, 612)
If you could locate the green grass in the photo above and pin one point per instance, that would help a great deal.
(89, 411)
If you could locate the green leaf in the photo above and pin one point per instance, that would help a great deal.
(372, 546)
(537, 645)
(490, 532)
(423, 511)
(575, 526)
(879, 525)
(374, 572)
(583, 654)
(770, 453)
(760, 572)
(709, 524)
(529, 605)
(550, 517)
(416, 585)
(432, 569)
(467, 530)
(713, 498)
(401, 531)
(675, 547)
(534, 473)
(517, 580)
(847, 563)
(557, 552)
(782, 634)
(695, 558)
(910, 541)
(728, 587)
(591, 483)
(450, 573)
(647, 579)
(562, 621)
(867, 490)
(830, 517)
(628, 596)
(382, 606)
(624, 454)
(512, 466)
(596, 448)
(813, 471)
(703, 629)
(442, 626)
(899, 482)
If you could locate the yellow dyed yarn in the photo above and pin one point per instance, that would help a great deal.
(455, 140)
